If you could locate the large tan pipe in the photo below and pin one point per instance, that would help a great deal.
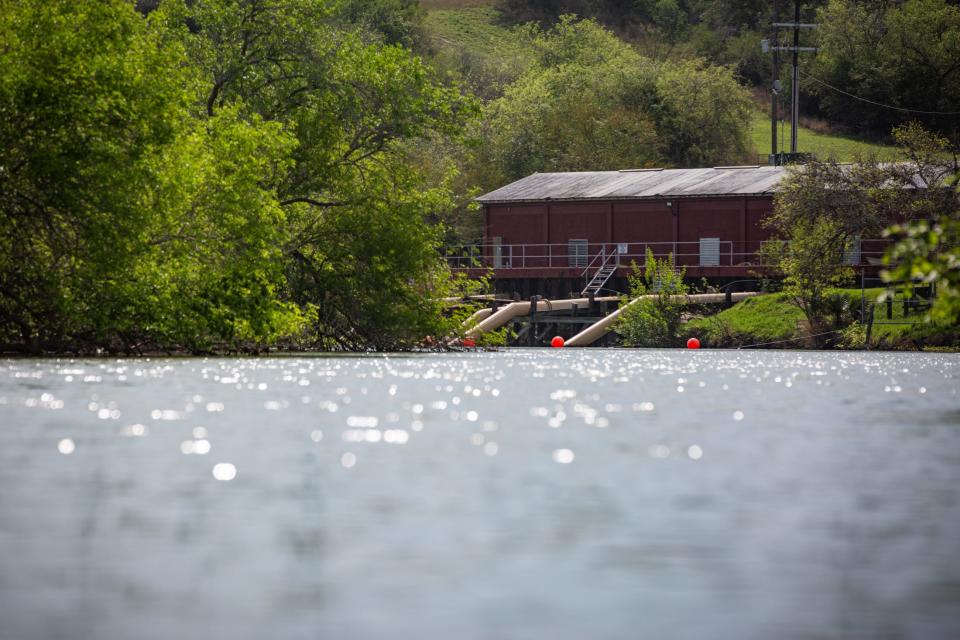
(600, 328)
(477, 316)
(513, 310)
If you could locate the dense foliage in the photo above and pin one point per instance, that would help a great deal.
(879, 64)
(203, 174)
(899, 54)
(591, 102)
(928, 248)
(824, 207)
(124, 218)
(219, 172)
(358, 245)
(652, 315)
(723, 31)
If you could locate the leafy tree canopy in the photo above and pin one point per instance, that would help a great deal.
(900, 54)
(352, 106)
(823, 207)
(928, 248)
(219, 172)
(652, 314)
(590, 102)
(722, 31)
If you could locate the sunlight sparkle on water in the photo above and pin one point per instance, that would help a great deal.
(135, 430)
(224, 471)
(456, 480)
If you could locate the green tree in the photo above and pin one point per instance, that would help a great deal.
(652, 317)
(392, 21)
(860, 199)
(215, 174)
(822, 209)
(211, 271)
(722, 31)
(702, 115)
(78, 117)
(124, 220)
(900, 54)
(590, 102)
(825, 207)
(812, 262)
(928, 248)
(359, 247)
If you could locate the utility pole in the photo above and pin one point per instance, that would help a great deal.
(795, 99)
(775, 47)
(774, 85)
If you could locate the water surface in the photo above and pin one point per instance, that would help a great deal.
(519, 494)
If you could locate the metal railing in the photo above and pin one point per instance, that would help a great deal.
(601, 259)
(868, 253)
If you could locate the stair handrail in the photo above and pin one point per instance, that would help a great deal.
(612, 257)
(599, 256)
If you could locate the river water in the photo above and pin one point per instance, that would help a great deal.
(519, 494)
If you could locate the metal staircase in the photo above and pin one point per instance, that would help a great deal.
(606, 265)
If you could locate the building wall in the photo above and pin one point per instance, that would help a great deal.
(734, 220)
(755, 233)
(645, 220)
(517, 223)
(540, 232)
(584, 221)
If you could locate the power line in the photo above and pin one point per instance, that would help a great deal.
(879, 104)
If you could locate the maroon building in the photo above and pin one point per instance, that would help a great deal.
(552, 233)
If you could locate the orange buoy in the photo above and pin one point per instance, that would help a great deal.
(693, 343)
(469, 342)
(557, 342)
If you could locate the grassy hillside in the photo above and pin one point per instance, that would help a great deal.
(823, 146)
(473, 28)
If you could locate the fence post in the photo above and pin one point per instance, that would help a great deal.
(869, 325)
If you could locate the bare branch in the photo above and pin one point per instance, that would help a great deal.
(311, 201)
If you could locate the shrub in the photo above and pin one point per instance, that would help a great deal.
(653, 317)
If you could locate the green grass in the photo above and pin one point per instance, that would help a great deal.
(475, 29)
(455, 4)
(766, 318)
(772, 318)
(823, 146)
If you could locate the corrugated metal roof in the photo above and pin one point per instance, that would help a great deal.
(618, 185)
